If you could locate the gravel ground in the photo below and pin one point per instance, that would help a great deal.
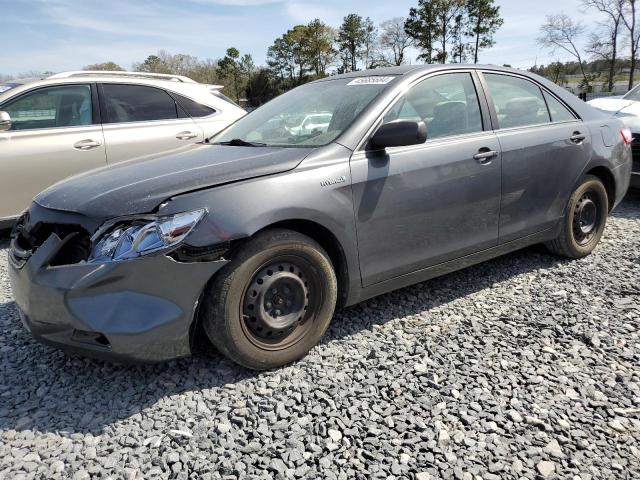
(524, 367)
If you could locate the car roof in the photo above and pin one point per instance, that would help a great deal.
(412, 69)
(159, 82)
(197, 91)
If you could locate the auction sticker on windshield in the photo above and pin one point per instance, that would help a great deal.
(370, 81)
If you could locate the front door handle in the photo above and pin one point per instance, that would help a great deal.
(186, 135)
(485, 156)
(577, 137)
(87, 144)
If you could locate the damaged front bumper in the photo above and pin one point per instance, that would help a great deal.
(135, 310)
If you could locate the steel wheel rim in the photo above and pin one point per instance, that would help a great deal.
(278, 305)
(586, 218)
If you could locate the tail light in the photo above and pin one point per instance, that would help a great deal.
(626, 136)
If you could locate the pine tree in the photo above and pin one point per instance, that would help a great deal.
(483, 21)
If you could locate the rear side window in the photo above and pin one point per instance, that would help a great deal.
(447, 104)
(137, 103)
(219, 94)
(559, 113)
(517, 101)
(193, 108)
(51, 107)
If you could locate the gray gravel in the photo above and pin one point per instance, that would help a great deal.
(524, 367)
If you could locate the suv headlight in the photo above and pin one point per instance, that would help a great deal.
(136, 237)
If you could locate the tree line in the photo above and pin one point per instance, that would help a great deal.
(445, 31)
(601, 53)
(441, 31)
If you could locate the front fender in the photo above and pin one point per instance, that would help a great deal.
(318, 191)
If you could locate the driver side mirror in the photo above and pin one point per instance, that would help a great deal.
(399, 133)
(5, 121)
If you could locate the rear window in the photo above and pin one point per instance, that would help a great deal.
(219, 94)
(193, 108)
(137, 103)
(559, 113)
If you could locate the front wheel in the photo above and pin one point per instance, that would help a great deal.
(273, 302)
(584, 221)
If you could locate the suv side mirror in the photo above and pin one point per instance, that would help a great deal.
(399, 133)
(5, 121)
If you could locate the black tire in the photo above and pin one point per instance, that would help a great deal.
(273, 301)
(584, 221)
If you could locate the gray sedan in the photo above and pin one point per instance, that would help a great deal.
(253, 238)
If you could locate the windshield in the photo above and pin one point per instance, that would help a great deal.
(633, 94)
(309, 116)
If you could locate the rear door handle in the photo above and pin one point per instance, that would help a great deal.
(186, 135)
(484, 156)
(87, 144)
(577, 137)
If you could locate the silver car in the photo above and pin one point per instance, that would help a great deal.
(76, 121)
(627, 109)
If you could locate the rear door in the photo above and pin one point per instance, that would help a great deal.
(55, 133)
(545, 147)
(141, 120)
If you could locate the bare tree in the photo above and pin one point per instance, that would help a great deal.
(394, 39)
(607, 48)
(629, 19)
(560, 32)
(601, 46)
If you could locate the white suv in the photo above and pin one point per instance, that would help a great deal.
(76, 121)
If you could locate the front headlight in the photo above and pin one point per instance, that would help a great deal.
(136, 237)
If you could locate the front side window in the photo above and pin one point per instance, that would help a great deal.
(517, 101)
(447, 104)
(51, 107)
(559, 113)
(312, 115)
(137, 103)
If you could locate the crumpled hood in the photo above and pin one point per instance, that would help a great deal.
(140, 186)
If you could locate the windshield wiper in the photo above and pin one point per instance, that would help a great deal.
(238, 142)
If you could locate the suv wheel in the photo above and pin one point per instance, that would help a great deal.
(273, 302)
(584, 221)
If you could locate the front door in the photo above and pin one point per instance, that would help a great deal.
(54, 134)
(142, 121)
(422, 205)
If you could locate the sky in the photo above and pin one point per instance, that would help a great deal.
(59, 35)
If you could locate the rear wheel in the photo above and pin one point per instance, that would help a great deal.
(273, 302)
(584, 221)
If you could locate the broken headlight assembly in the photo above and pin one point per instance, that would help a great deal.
(135, 237)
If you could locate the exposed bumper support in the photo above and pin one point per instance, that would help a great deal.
(136, 310)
